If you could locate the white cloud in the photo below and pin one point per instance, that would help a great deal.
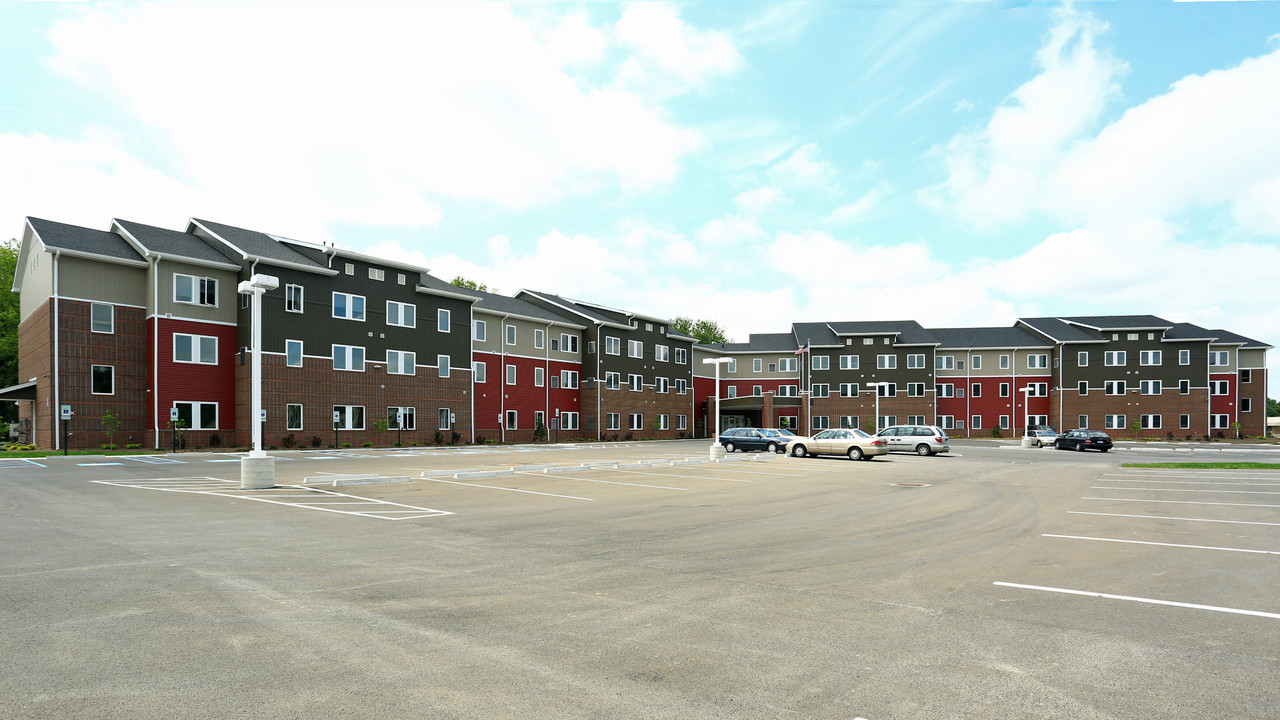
(669, 55)
(855, 209)
(804, 168)
(730, 230)
(757, 201)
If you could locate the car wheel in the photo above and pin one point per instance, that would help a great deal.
(1079, 447)
(771, 447)
(799, 451)
(922, 450)
(1104, 449)
(728, 447)
(855, 453)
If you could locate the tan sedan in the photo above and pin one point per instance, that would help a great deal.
(851, 442)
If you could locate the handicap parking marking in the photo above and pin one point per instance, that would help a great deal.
(309, 498)
(155, 459)
(19, 464)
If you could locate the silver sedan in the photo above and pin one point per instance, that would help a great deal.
(850, 442)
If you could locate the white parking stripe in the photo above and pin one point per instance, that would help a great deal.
(682, 477)
(1233, 492)
(1181, 502)
(496, 487)
(1139, 599)
(1165, 517)
(1176, 545)
(606, 482)
(1187, 482)
(226, 488)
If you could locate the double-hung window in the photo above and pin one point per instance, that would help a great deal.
(348, 307)
(193, 290)
(400, 362)
(199, 349)
(348, 357)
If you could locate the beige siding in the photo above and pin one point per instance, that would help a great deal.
(37, 282)
(101, 281)
(227, 297)
(1253, 358)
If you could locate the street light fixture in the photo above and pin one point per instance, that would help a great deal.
(258, 470)
(1026, 415)
(717, 451)
(875, 387)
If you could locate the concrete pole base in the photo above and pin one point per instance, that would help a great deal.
(717, 452)
(257, 473)
(1028, 441)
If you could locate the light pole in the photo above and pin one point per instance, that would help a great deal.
(717, 450)
(875, 388)
(258, 470)
(1026, 415)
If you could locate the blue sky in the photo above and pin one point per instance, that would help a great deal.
(956, 163)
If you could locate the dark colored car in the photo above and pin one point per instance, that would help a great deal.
(747, 439)
(1082, 440)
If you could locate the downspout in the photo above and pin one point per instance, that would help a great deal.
(599, 387)
(57, 389)
(471, 343)
(546, 386)
(502, 382)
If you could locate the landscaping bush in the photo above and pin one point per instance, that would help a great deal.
(315, 441)
(288, 441)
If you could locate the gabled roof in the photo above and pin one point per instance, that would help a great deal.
(907, 332)
(817, 334)
(757, 343)
(251, 245)
(1187, 331)
(1060, 331)
(76, 240)
(988, 337)
(151, 241)
(575, 309)
(1105, 323)
(1225, 337)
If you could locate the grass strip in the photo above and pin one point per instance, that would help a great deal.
(1206, 465)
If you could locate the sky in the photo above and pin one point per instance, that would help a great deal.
(755, 163)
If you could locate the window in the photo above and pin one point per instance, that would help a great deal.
(757, 390)
(976, 362)
(1246, 376)
(1150, 387)
(848, 362)
(539, 379)
(481, 331)
(1246, 404)
(400, 362)
(822, 362)
(200, 349)
(350, 269)
(444, 419)
(293, 353)
(948, 422)
(788, 365)
(612, 346)
(868, 341)
(480, 370)
(613, 421)
(1150, 357)
(194, 290)
(348, 417)
(887, 421)
(682, 422)
(731, 391)
(820, 390)
(944, 390)
(664, 422)
(635, 349)
(1004, 389)
(406, 315)
(664, 385)
(731, 366)
(975, 422)
(1184, 357)
(886, 362)
(848, 421)
(402, 418)
(511, 334)
(757, 365)
(661, 353)
(348, 357)
(1114, 422)
(915, 389)
(1082, 422)
(1184, 421)
(975, 390)
(848, 389)
(944, 362)
(569, 344)
(1150, 422)
(1131, 336)
(102, 318)
(1082, 359)
(1083, 387)
(103, 379)
(293, 300)
(1184, 387)
(348, 307)
(1004, 422)
(1219, 387)
(1219, 422)
(568, 421)
(612, 380)
(682, 386)
(1037, 361)
(1114, 357)
(1115, 387)
(511, 374)
(637, 421)
(293, 416)
(539, 339)
(442, 365)
(377, 274)
(513, 420)
(789, 391)
(400, 278)
(915, 362)
(682, 356)
(888, 389)
(569, 378)
(198, 415)
(821, 422)
(636, 382)
(1038, 389)
(1004, 365)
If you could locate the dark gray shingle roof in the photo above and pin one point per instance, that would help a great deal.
(988, 337)
(76, 239)
(909, 332)
(1120, 322)
(758, 343)
(260, 246)
(1058, 330)
(172, 243)
(1225, 336)
(817, 334)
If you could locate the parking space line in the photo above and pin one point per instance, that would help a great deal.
(683, 477)
(753, 472)
(1182, 502)
(1232, 492)
(517, 490)
(1129, 598)
(1176, 545)
(593, 480)
(1166, 517)
(1188, 482)
(21, 463)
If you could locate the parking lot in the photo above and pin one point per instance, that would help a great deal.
(639, 580)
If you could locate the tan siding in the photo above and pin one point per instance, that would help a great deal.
(227, 297)
(37, 283)
(86, 279)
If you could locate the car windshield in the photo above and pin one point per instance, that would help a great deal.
(860, 433)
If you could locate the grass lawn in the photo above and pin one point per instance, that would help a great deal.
(1207, 465)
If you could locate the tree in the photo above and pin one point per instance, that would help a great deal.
(704, 331)
(1273, 407)
(462, 282)
(10, 316)
(110, 425)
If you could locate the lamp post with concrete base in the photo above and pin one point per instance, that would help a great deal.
(1027, 440)
(258, 470)
(875, 388)
(717, 450)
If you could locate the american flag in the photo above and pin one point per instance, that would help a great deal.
(803, 349)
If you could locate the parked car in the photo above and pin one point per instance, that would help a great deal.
(747, 439)
(1085, 440)
(919, 439)
(1044, 436)
(782, 434)
(851, 442)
